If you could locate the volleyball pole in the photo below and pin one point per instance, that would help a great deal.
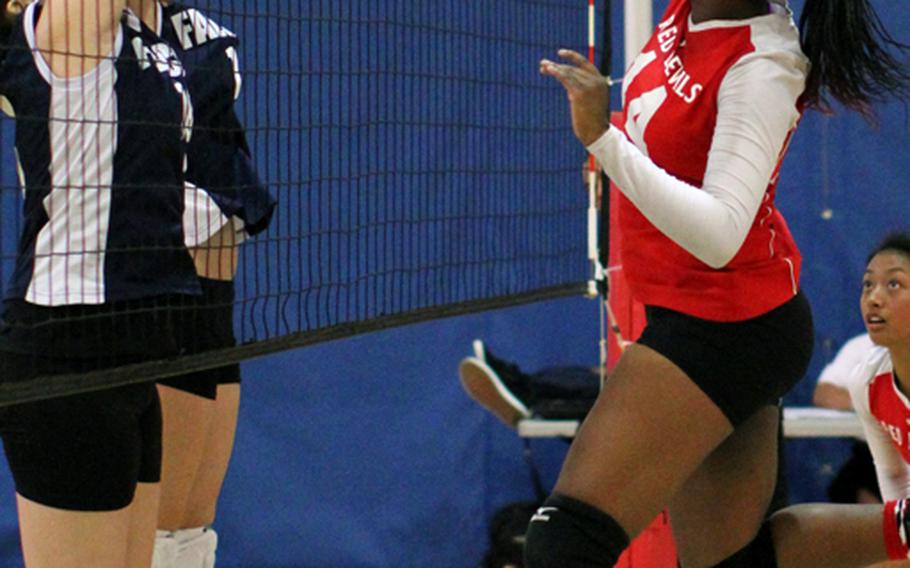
(599, 210)
(598, 277)
(637, 24)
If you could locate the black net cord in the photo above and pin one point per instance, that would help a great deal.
(46, 387)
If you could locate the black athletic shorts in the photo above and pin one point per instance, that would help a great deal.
(204, 323)
(741, 366)
(84, 452)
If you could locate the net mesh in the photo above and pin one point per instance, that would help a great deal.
(421, 167)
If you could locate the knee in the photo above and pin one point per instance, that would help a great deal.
(759, 553)
(565, 532)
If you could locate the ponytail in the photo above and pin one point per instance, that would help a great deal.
(11, 10)
(851, 61)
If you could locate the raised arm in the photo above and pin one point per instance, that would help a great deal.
(757, 108)
(756, 111)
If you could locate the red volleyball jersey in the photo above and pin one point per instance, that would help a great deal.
(890, 409)
(885, 413)
(670, 108)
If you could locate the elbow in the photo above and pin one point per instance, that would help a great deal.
(719, 245)
(723, 244)
(893, 485)
(827, 395)
(895, 479)
(720, 257)
(819, 399)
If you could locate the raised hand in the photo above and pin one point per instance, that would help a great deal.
(588, 93)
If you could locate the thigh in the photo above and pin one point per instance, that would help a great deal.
(829, 535)
(742, 366)
(142, 524)
(649, 430)
(57, 538)
(719, 509)
(187, 419)
(216, 456)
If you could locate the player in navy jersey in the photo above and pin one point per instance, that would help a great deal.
(689, 417)
(103, 121)
(225, 202)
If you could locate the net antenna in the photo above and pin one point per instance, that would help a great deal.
(637, 25)
(394, 204)
(599, 205)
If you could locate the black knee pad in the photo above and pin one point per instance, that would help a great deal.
(566, 533)
(757, 554)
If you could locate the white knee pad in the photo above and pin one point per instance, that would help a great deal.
(166, 548)
(195, 547)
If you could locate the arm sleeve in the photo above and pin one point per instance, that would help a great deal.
(840, 370)
(757, 108)
(234, 57)
(892, 471)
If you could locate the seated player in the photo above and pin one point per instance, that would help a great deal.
(882, 381)
(510, 394)
(855, 482)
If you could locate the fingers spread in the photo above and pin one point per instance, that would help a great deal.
(565, 74)
(578, 59)
(555, 70)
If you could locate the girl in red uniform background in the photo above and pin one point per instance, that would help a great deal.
(882, 381)
(689, 417)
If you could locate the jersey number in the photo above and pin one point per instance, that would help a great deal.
(639, 113)
(641, 110)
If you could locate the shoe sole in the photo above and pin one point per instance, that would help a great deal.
(483, 385)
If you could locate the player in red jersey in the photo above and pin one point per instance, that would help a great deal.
(689, 417)
(882, 381)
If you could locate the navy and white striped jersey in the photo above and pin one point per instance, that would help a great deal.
(102, 160)
(222, 183)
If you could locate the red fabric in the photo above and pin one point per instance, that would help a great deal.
(670, 113)
(630, 315)
(895, 548)
(891, 412)
(653, 548)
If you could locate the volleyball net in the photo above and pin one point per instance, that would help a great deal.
(421, 166)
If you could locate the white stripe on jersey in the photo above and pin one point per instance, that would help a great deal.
(70, 248)
(202, 217)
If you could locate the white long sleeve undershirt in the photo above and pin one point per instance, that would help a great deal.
(757, 108)
(891, 470)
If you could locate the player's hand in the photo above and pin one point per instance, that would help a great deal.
(587, 90)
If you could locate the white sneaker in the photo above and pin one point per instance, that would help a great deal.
(484, 385)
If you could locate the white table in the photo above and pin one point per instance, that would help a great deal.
(799, 422)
